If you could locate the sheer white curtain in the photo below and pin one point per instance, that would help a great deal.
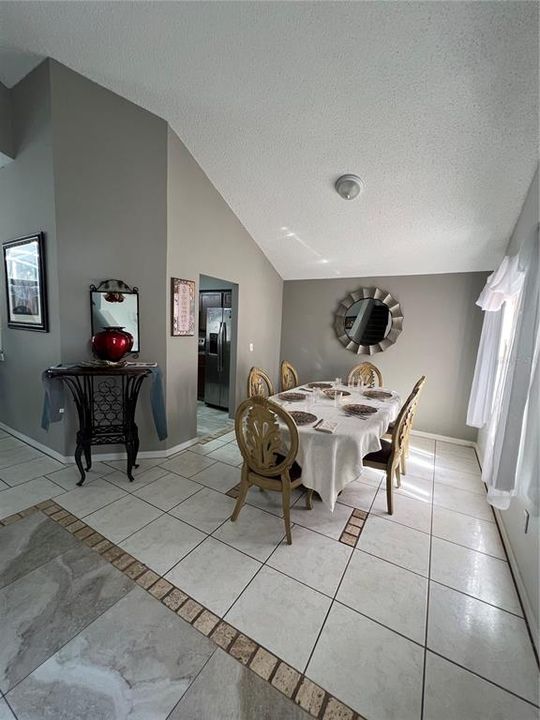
(503, 285)
(504, 395)
(515, 461)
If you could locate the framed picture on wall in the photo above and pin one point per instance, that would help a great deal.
(26, 292)
(182, 307)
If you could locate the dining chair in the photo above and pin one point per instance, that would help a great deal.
(268, 463)
(288, 376)
(259, 384)
(388, 458)
(416, 392)
(368, 373)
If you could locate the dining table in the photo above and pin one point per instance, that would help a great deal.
(331, 460)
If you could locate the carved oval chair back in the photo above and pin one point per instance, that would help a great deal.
(269, 452)
(389, 456)
(259, 384)
(368, 373)
(288, 376)
(416, 395)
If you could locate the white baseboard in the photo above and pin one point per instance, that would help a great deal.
(33, 443)
(443, 438)
(121, 455)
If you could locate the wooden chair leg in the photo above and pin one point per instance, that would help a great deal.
(242, 494)
(309, 499)
(389, 492)
(286, 500)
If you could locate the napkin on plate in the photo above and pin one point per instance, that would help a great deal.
(327, 426)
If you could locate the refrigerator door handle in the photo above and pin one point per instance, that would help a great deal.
(220, 347)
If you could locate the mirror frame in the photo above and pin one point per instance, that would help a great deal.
(364, 294)
(117, 286)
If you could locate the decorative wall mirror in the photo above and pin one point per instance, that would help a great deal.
(115, 304)
(368, 321)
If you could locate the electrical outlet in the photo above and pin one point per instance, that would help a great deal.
(250, 347)
(2, 356)
(526, 524)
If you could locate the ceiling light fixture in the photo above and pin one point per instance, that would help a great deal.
(349, 186)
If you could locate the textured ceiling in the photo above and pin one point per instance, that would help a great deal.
(433, 104)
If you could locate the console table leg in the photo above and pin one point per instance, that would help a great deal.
(135, 451)
(131, 454)
(88, 456)
(78, 455)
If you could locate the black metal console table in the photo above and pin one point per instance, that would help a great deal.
(106, 399)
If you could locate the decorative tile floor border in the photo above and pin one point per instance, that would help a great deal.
(297, 687)
(353, 528)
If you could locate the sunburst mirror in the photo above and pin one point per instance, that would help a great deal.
(368, 321)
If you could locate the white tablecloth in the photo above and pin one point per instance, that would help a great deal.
(331, 461)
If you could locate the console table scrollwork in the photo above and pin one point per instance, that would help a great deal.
(106, 400)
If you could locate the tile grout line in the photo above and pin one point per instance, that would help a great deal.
(190, 610)
(524, 614)
(333, 600)
(424, 668)
(141, 569)
(466, 669)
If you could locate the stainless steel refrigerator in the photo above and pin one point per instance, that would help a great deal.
(218, 356)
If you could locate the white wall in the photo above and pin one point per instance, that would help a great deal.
(441, 329)
(205, 237)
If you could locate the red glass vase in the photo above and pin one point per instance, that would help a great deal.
(112, 343)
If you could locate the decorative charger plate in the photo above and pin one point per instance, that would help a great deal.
(377, 394)
(321, 385)
(292, 396)
(303, 418)
(356, 409)
(332, 392)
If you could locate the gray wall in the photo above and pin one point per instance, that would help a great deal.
(525, 547)
(206, 237)
(6, 129)
(26, 206)
(110, 159)
(441, 329)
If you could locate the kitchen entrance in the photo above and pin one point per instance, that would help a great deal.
(218, 302)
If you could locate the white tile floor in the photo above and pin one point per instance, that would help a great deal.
(211, 420)
(420, 622)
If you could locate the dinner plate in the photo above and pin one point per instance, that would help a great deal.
(357, 409)
(321, 385)
(292, 396)
(377, 394)
(303, 418)
(332, 392)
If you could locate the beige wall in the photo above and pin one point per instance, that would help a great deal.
(206, 237)
(441, 329)
(7, 150)
(110, 160)
(27, 206)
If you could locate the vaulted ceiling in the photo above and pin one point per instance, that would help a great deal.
(434, 105)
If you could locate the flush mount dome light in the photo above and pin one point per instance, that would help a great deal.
(349, 186)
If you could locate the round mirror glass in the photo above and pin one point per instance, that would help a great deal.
(368, 321)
